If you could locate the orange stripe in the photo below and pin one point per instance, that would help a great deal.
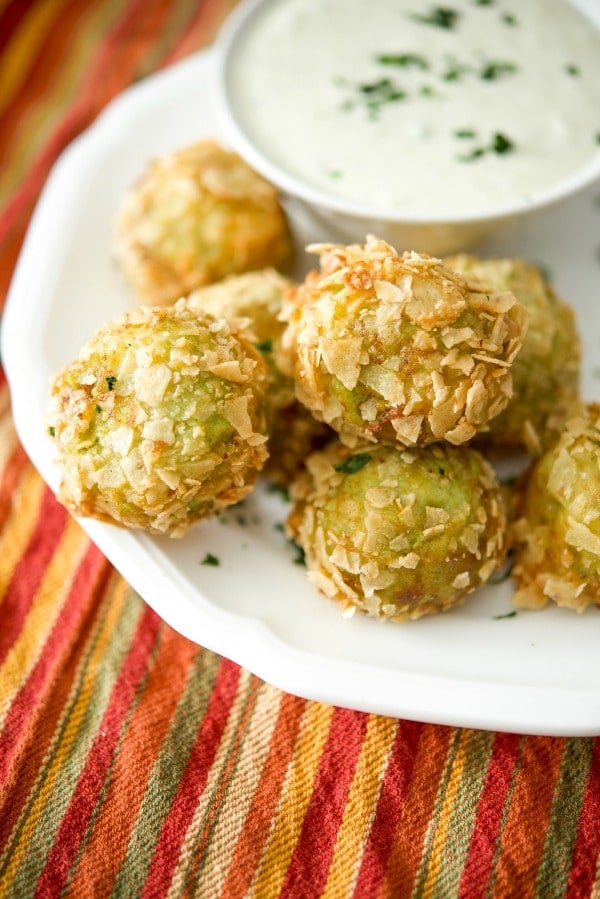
(262, 810)
(417, 811)
(20, 524)
(137, 752)
(524, 834)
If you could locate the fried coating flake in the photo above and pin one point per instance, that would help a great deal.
(400, 349)
(159, 421)
(557, 536)
(195, 216)
(546, 371)
(395, 533)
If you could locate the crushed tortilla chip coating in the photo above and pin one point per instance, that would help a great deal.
(160, 421)
(557, 534)
(398, 534)
(397, 348)
(195, 216)
(546, 371)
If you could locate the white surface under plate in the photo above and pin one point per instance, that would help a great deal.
(537, 672)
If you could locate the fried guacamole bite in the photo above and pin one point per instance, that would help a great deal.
(160, 420)
(258, 297)
(195, 216)
(395, 533)
(547, 369)
(398, 348)
(557, 536)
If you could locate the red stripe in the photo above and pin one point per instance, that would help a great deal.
(76, 819)
(391, 798)
(490, 807)
(307, 873)
(586, 854)
(33, 695)
(193, 781)
(30, 569)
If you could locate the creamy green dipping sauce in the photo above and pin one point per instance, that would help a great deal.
(467, 107)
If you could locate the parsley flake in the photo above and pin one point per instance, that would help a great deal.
(353, 463)
(282, 489)
(465, 133)
(439, 17)
(52, 431)
(403, 60)
(98, 409)
(501, 144)
(494, 70)
(209, 559)
(575, 71)
(265, 346)
(512, 614)
(111, 381)
(509, 19)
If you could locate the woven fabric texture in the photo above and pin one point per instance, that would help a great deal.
(135, 763)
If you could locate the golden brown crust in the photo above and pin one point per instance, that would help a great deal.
(195, 216)
(399, 348)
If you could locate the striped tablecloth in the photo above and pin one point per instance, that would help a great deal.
(135, 763)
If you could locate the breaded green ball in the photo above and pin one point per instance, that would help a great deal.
(546, 371)
(397, 533)
(400, 349)
(557, 537)
(159, 421)
(258, 297)
(195, 216)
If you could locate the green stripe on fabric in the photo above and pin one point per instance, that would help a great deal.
(553, 873)
(433, 823)
(214, 798)
(166, 775)
(180, 16)
(462, 819)
(78, 725)
(103, 792)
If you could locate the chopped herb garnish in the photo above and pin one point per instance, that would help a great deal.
(477, 153)
(484, 2)
(241, 520)
(441, 470)
(512, 614)
(501, 144)
(265, 346)
(282, 489)
(353, 463)
(278, 526)
(98, 408)
(378, 93)
(209, 559)
(427, 91)
(111, 381)
(403, 60)
(597, 137)
(335, 174)
(300, 557)
(52, 431)
(494, 70)
(454, 70)
(575, 71)
(509, 19)
(440, 17)
(465, 133)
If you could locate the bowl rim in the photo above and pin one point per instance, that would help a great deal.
(232, 31)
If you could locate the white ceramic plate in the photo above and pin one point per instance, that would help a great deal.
(533, 673)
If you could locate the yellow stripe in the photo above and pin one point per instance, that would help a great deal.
(19, 525)
(24, 47)
(596, 888)
(445, 814)
(8, 441)
(360, 808)
(239, 794)
(46, 607)
(61, 752)
(32, 131)
(293, 804)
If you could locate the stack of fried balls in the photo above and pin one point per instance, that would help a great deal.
(379, 389)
